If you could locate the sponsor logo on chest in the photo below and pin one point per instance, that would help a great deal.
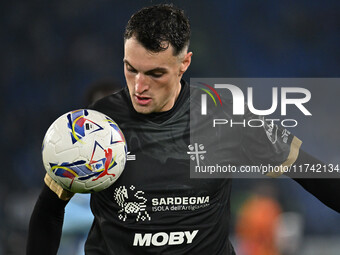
(163, 238)
(179, 203)
(180, 200)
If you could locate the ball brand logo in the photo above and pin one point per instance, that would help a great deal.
(239, 100)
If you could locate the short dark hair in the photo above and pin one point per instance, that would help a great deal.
(157, 26)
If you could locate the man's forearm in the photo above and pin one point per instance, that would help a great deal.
(46, 223)
(327, 190)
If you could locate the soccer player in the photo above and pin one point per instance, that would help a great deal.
(155, 207)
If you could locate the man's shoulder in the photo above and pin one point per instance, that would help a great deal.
(114, 105)
(119, 96)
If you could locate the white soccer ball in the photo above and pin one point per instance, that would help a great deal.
(84, 151)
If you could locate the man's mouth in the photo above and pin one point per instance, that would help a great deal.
(143, 100)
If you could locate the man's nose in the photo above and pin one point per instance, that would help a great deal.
(141, 83)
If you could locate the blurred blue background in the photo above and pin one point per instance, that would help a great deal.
(51, 51)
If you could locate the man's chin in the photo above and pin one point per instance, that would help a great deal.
(142, 109)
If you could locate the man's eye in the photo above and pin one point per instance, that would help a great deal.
(157, 75)
(131, 70)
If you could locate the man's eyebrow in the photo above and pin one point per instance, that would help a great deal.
(157, 69)
(127, 62)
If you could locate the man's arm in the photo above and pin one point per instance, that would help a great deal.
(327, 190)
(47, 219)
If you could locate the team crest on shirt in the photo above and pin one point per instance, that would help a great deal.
(134, 207)
(196, 152)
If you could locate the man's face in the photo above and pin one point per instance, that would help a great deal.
(153, 79)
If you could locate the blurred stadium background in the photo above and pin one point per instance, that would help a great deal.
(51, 51)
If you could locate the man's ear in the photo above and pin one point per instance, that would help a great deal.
(185, 63)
